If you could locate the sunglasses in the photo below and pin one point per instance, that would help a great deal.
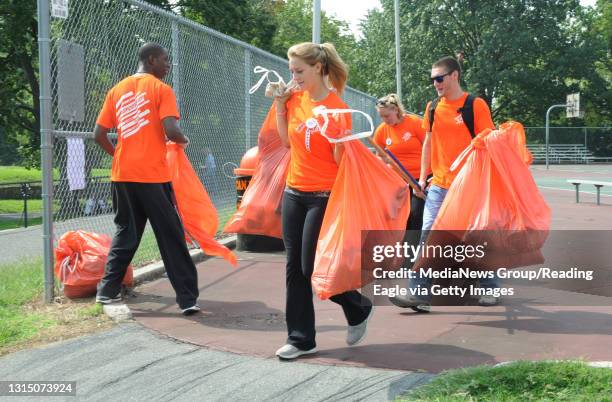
(385, 102)
(440, 78)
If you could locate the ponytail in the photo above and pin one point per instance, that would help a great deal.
(332, 65)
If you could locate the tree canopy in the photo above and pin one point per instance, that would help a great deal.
(521, 56)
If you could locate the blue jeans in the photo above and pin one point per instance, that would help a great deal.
(435, 198)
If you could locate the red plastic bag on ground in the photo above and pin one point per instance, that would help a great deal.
(260, 209)
(494, 198)
(197, 211)
(367, 195)
(79, 262)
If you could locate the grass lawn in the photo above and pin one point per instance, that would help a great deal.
(13, 174)
(16, 174)
(520, 381)
(16, 206)
(18, 223)
(148, 251)
(27, 322)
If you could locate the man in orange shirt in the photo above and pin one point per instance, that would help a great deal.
(143, 110)
(446, 137)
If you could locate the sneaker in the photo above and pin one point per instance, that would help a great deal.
(108, 300)
(191, 310)
(488, 301)
(357, 333)
(289, 352)
(418, 305)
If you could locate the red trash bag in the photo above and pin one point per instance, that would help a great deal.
(195, 208)
(80, 258)
(260, 210)
(367, 195)
(495, 199)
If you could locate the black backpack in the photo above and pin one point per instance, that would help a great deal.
(467, 113)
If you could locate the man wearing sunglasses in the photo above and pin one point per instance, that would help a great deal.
(447, 135)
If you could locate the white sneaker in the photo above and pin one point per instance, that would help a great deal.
(357, 333)
(488, 300)
(108, 300)
(289, 352)
(191, 310)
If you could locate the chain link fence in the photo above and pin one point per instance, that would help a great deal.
(95, 47)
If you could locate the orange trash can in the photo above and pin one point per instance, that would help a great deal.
(244, 173)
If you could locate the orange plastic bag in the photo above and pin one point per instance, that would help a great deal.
(495, 199)
(80, 258)
(367, 196)
(260, 209)
(197, 211)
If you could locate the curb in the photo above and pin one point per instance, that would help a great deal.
(120, 312)
(156, 270)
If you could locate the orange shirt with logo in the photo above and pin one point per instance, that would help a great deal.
(450, 136)
(313, 167)
(404, 140)
(136, 107)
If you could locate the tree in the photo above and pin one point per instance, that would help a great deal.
(520, 56)
(19, 96)
(294, 25)
(248, 20)
(375, 61)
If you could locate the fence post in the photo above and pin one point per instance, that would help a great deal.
(25, 194)
(247, 99)
(176, 72)
(548, 127)
(46, 142)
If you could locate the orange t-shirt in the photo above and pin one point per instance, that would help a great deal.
(136, 107)
(450, 136)
(313, 167)
(405, 141)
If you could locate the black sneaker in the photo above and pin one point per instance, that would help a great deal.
(108, 300)
(191, 310)
(418, 305)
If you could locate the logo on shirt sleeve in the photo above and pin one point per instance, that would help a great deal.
(131, 113)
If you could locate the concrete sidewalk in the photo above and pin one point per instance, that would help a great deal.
(130, 362)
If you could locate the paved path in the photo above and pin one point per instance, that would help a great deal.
(244, 310)
(132, 363)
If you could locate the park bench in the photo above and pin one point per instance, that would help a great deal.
(598, 185)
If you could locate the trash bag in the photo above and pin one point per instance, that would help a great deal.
(260, 210)
(367, 196)
(80, 258)
(197, 211)
(494, 199)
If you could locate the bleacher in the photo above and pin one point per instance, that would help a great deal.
(561, 153)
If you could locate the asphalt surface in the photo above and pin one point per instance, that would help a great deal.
(130, 362)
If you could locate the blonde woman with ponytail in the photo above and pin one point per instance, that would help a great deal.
(318, 78)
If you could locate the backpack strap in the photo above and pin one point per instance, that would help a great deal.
(467, 114)
(432, 109)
